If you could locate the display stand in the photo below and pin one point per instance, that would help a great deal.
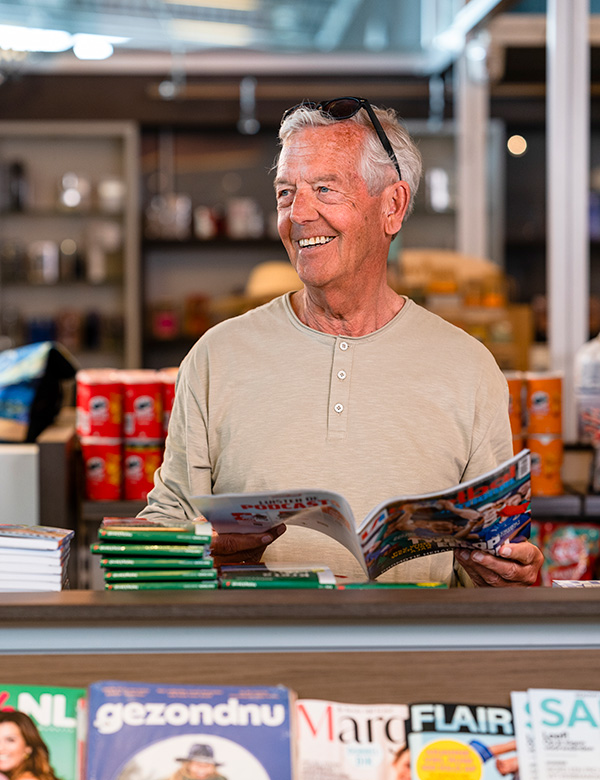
(468, 645)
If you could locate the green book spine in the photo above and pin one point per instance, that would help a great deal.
(273, 584)
(158, 550)
(162, 574)
(152, 535)
(204, 585)
(156, 563)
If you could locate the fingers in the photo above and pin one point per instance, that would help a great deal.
(517, 565)
(242, 548)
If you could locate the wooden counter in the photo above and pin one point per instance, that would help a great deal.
(467, 645)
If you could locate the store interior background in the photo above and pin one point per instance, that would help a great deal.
(182, 121)
(206, 118)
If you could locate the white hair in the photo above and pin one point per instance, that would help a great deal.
(377, 169)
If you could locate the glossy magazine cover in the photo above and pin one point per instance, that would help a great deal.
(57, 713)
(140, 731)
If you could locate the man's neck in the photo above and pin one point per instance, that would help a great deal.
(341, 315)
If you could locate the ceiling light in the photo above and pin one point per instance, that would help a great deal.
(91, 47)
(33, 39)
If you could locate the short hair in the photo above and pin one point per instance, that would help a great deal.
(376, 166)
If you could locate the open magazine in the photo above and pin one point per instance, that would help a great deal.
(482, 513)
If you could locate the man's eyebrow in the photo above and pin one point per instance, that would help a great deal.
(334, 177)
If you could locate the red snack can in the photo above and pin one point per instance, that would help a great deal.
(140, 461)
(544, 402)
(99, 403)
(167, 377)
(142, 404)
(102, 460)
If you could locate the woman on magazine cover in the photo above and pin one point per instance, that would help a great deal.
(23, 753)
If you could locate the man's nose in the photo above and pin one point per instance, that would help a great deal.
(303, 207)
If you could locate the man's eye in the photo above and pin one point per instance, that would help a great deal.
(323, 188)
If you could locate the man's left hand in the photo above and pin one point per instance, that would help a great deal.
(515, 565)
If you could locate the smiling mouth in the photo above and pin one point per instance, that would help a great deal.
(314, 241)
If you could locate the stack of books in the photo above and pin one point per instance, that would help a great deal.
(137, 554)
(34, 558)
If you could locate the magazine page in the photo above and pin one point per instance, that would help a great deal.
(42, 537)
(140, 731)
(338, 741)
(53, 711)
(524, 735)
(455, 741)
(321, 510)
(480, 514)
(566, 725)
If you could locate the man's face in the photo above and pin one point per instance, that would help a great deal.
(200, 769)
(332, 229)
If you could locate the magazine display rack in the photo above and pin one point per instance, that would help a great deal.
(358, 646)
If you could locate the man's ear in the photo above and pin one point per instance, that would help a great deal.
(397, 198)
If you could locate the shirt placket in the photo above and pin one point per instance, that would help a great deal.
(339, 389)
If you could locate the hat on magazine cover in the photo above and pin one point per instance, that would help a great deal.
(201, 753)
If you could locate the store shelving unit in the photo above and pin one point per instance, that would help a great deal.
(103, 303)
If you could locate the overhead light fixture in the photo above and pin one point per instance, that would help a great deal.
(34, 39)
(31, 39)
(94, 47)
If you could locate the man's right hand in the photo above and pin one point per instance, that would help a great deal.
(242, 548)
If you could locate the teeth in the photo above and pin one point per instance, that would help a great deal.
(314, 241)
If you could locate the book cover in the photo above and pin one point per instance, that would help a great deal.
(160, 574)
(139, 730)
(155, 563)
(168, 585)
(456, 741)
(276, 576)
(150, 550)
(198, 533)
(566, 728)
(41, 537)
(57, 715)
(339, 741)
(482, 514)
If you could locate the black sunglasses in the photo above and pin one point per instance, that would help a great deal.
(344, 108)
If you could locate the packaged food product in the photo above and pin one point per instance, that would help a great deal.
(142, 404)
(544, 402)
(141, 458)
(102, 460)
(571, 551)
(546, 464)
(99, 403)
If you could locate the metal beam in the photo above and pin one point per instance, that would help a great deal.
(568, 110)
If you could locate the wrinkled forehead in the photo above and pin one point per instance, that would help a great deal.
(335, 147)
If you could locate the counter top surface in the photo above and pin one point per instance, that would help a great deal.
(220, 607)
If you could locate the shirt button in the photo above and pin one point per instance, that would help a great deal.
(339, 408)
(344, 345)
(341, 374)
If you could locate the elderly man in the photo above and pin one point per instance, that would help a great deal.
(344, 384)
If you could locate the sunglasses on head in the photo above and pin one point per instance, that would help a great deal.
(344, 108)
